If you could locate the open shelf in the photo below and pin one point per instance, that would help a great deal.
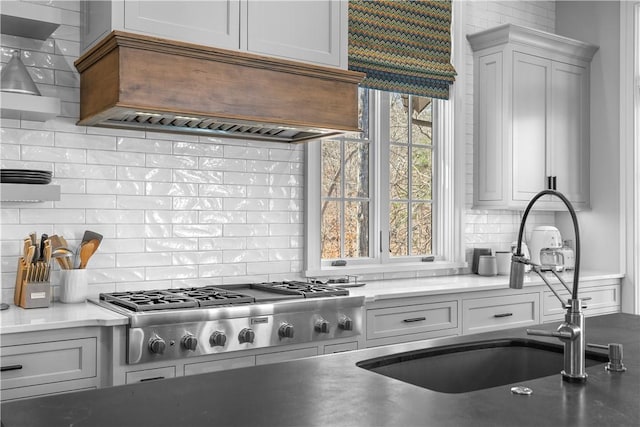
(29, 20)
(29, 192)
(29, 107)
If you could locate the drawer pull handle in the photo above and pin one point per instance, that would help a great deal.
(414, 319)
(11, 368)
(151, 379)
(503, 315)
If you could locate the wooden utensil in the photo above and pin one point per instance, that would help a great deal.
(92, 235)
(87, 249)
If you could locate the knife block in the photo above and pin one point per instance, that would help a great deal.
(35, 295)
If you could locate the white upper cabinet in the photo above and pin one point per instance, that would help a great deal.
(313, 31)
(531, 117)
(306, 30)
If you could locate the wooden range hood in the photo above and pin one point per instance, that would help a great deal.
(134, 81)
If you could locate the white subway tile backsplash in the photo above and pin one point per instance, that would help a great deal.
(120, 216)
(196, 258)
(73, 170)
(141, 145)
(170, 217)
(197, 230)
(222, 190)
(144, 174)
(128, 231)
(100, 157)
(52, 216)
(144, 259)
(93, 142)
(135, 188)
(197, 203)
(170, 189)
(246, 255)
(222, 243)
(82, 201)
(170, 161)
(193, 149)
(171, 244)
(143, 202)
(26, 137)
(197, 176)
(226, 164)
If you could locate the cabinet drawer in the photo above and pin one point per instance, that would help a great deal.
(339, 348)
(150, 374)
(488, 314)
(219, 365)
(49, 362)
(603, 299)
(282, 356)
(411, 319)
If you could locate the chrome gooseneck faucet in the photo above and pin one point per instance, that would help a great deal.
(571, 331)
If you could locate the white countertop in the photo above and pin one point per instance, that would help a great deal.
(425, 286)
(60, 316)
(57, 316)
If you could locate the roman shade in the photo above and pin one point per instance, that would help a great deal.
(402, 46)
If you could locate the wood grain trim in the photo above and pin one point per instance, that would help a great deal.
(129, 71)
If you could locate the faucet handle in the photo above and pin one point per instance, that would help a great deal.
(615, 356)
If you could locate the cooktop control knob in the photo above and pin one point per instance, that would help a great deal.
(218, 338)
(189, 342)
(285, 330)
(345, 323)
(322, 326)
(157, 345)
(246, 335)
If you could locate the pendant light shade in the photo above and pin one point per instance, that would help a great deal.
(16, 78)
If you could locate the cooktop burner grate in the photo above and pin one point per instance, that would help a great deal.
(149, 300)
(211, 296)
(308, 290)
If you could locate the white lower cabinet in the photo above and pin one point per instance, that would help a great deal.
(219, 365)
(340, 348)
(282, 356)
(405, 319)
(150, 374)
(51, 362)
(500, 312)
(600, 297)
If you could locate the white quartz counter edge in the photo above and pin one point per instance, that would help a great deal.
(57, 316)
(426, 286)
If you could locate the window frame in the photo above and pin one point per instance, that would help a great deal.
(446, 233)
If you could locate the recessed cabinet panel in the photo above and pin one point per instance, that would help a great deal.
(50, 362)
(219, 365)
(306, 30)
(569, 156)
(530, 98)
(489, 125)
(488, 314)
(150, 374)
(214, 23)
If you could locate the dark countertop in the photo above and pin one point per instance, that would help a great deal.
(331, 390)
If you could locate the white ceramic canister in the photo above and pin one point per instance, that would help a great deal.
(73, 287)
(487, 265)
(503, 261)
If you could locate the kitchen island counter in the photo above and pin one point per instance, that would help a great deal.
(332, 390)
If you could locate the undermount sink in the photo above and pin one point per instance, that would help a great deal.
(477, 365)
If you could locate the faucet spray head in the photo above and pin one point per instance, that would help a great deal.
(516, 277)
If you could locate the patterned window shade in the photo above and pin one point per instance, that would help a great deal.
(403, 46)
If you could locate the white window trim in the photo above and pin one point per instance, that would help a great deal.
(450, 186)
(447, 229)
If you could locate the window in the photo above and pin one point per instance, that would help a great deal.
(381, 199)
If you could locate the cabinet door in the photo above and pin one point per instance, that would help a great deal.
(212, 23)
(568, 155)
(530, 132)
(305, 30)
